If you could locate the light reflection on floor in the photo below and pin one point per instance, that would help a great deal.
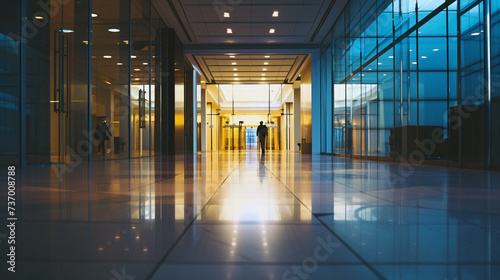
(240, 216)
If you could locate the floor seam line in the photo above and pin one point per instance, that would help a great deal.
(176, 242)
(363, 261)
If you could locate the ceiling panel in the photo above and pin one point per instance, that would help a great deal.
(249, 67)
(202, 27)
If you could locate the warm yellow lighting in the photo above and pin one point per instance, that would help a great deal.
(235, 69)
(227, 14)
(229, 31)
(264, 69)
(266, 63)
(94, 15)
(39, 17)
(232, 56)
(276, 13)
(114, 30)
(234, 63)
(107, 56)
(272, 30)
(267, 56)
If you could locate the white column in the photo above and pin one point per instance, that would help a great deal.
(203, 117)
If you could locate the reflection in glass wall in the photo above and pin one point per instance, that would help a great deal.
(408, 90)
(111, 75)
(140, 69)
(495, 84)
(57, 123)
(10, 40)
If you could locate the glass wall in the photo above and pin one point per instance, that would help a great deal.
(495, 84)
(10, 50)
(67, 69)
(413, 91)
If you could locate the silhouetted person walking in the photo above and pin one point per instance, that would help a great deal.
(101, 133)
(262, 133)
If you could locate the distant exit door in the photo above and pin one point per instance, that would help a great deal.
(251, 138)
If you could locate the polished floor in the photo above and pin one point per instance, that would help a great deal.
(242, 216)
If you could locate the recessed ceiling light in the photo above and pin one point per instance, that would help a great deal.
(272, 30)
(424, 57)
(227, 14)
(380, 63)
(94, 15)
(107, 56)
(236, 79)
(276, 14)
(137, 79)
(263, 79)
(119, 63)
(133, 56)
(234, 63)
(125, 42)
(235, 74)
(229, 31)
(137, 69)
(86, 42)
(263, 74)
(414, 62)
(232, 56)
(39, 17)
(266, 63)
(475, 34)
(264, 69)
(114, 30)
(267, 56)
(144, 63)
(435, 50)
(391, 56)
(235, 69)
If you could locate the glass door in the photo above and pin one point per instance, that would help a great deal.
(68, 51)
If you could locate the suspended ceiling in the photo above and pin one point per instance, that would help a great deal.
(203, 27)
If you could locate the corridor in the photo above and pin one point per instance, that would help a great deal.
(239, 216)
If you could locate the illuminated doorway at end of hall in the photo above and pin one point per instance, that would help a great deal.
(240, 109)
